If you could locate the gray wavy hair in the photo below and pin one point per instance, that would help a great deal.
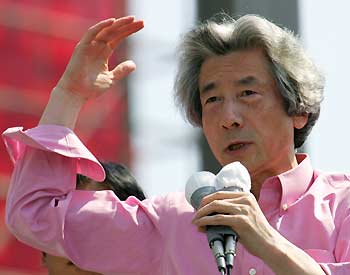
(300, 83)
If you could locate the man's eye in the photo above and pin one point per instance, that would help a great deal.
(247, 93)
(211, 99)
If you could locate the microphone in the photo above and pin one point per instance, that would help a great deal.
(198, 186)
(232, 177)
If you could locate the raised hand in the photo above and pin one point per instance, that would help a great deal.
(87, 74)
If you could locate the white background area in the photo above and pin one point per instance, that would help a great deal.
(164, 150)
(325, 32)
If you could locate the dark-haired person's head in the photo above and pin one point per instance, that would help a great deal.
(118, 179)
(122, 183)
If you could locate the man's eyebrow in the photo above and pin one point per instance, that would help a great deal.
(245, 81)
(248, 80)
(207, 88)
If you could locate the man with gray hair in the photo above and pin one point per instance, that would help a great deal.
(250, 86)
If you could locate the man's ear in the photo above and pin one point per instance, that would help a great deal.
(300, 121)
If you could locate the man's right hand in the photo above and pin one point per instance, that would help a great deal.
(87, 75)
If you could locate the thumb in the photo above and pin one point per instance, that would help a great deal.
(123, 69)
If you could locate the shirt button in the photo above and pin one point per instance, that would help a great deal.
(252, 271)
(285, 206)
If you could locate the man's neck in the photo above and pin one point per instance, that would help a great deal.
(258, 178)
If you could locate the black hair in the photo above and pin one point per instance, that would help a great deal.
(119, 179)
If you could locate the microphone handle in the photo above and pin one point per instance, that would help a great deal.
(216, 245)
(231, 237)
(222, 236)
(230, 250)
(215, 232)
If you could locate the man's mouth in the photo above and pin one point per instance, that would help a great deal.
(236, 146)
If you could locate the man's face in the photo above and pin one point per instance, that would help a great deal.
(242, 114)
(60, 266)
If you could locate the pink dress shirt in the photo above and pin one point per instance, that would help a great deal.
(99, 232)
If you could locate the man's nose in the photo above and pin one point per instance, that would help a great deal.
(231, 115)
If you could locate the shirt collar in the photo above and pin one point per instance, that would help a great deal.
(292, 184)
(296, 181)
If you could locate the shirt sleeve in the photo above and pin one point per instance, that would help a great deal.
(95, 230)
(342, 249)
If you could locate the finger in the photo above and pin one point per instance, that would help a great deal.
(135, 27)
(219, 219)
(116, 24)
(221, 195)
(123, 69)
(222, 207)
(202, 229)
(94, 30)
(118, 36)
(109, 33)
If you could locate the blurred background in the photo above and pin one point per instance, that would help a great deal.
(137, 123)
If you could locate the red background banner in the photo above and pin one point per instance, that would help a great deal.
(36, 41)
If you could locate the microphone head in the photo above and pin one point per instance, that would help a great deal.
(198, 186)
(233, 175)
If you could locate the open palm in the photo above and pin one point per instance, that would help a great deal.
(87, 74)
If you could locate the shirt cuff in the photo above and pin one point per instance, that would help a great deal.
(57, 139)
